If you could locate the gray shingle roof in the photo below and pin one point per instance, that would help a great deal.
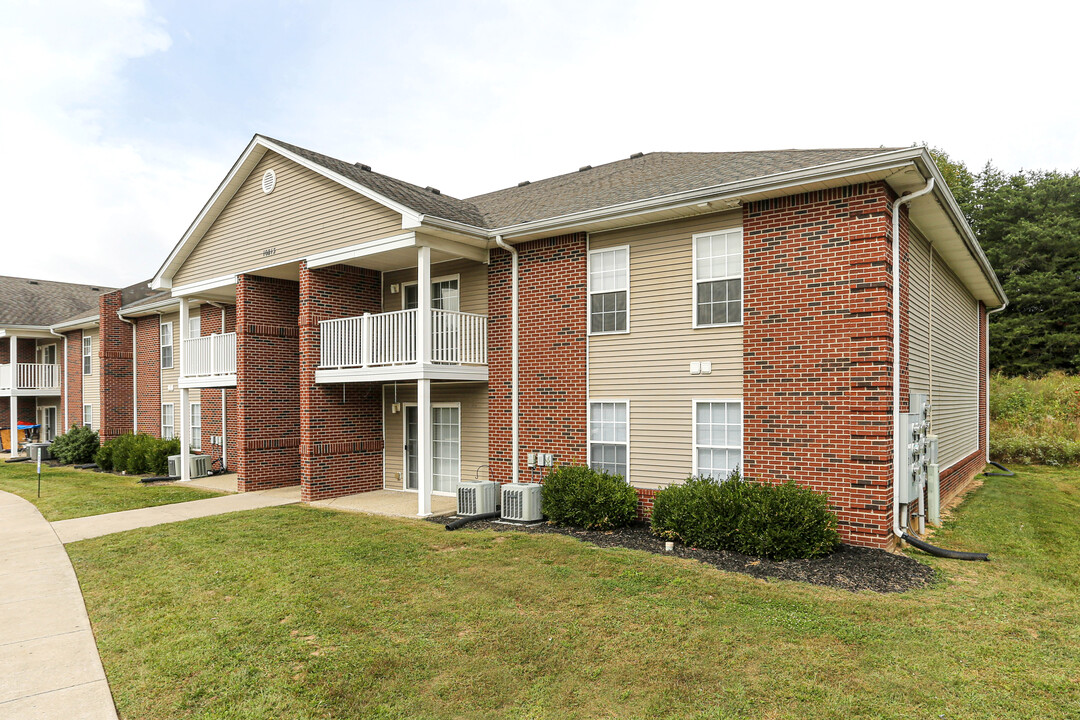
(638, 178)
(24, 301)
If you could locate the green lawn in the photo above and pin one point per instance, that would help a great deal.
(302, 613)
(69, 493)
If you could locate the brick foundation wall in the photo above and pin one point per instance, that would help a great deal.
(553, 286)
(267, 382)
(115, 354)
(817, 350)
(73, 379)
(211, 397)
(148, 368)
(340, 424)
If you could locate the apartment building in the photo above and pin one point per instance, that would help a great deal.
(660, 316)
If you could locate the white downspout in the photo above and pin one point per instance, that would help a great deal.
(64, 389)
(134, 373)
(897, 440)
(514, 352)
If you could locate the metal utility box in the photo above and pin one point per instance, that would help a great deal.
(914, 457)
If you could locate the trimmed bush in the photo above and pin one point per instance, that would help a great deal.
(137, 454)
(582, 497)
(779, 522)
(76, 446)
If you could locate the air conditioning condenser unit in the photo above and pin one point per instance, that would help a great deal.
(476, 497)
(200, 465)
(521, 502)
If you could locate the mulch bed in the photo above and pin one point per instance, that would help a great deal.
(849, 568)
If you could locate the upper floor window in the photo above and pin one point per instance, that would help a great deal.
(609, 437)
(166, 345)
(609, 286)
(718, 278)
(87, 349)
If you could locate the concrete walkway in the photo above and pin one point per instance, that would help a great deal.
(97, 525)
(49, 664)
(393, 503)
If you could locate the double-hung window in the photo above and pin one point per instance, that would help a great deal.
(166, 345)
(168, 423)
(609, 287)
(196, 425)
(87, 349)
(718, 271)
(88, 415)
(194, 326)
(609, 436)
(717, 437)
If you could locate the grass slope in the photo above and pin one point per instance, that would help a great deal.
(301, 613)
(67, 493)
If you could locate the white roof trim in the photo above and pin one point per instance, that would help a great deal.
(88, 321)
(369, 247)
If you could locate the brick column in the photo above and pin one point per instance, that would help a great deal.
(267, 382)
(115, 353)
(552, 353)
(817, 358)
(340, 424)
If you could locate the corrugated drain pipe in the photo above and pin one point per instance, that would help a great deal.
(514, 353)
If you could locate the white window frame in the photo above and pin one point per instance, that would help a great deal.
(693, 429)
(41, 353)
(591, 442)
(171, 345)
(404, 444)
(195, 430)
(43, 411)
(87, 355)
(698, 280)
(172, 420)
(194, 326)
(88, 415)
(591, 292)
(434, 281)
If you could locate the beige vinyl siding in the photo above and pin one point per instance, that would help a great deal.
(306, 213)
(650, 365)
(472, 284)
(170, 379)
(954, 353)
(474, 428)
(91, 384)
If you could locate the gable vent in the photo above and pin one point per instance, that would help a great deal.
(269, 181)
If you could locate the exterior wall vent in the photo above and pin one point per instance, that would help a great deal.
(269, 180)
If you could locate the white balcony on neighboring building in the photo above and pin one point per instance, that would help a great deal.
(383, 347)
(208, 361)
(29, 379)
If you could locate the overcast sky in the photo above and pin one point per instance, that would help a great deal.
(118, 119)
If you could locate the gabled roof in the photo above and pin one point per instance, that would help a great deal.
(24, 301)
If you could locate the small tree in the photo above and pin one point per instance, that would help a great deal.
(76, 446)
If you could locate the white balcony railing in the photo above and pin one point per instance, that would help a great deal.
(383, 339)
(209, 356)
(30, 376)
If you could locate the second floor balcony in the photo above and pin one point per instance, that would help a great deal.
(29, 379)
(384, 346)
(208, 361)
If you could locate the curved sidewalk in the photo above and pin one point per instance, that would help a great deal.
(49, 663)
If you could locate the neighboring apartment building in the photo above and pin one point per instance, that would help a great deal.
(676, 314)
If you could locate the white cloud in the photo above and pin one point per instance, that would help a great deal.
(79, 205)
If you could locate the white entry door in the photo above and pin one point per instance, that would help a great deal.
(445, 447)
(47, 420)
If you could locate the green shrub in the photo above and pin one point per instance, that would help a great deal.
(76, 446)
(137, 454)
(1035, 420)
(780, 522)
(581, 497)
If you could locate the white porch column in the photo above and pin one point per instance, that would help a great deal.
(423, 385)
(185, 406)
(14, 359)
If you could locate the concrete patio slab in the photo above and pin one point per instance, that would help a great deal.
(49, 664)
(392, 503)
(221, 483)
(97, 525)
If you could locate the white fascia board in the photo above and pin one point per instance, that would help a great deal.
(457, 227)
(80, 324)
(150, 308)
(205, 285)
(364, 249)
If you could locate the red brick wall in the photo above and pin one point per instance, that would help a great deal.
(267, 382)
(340, 424)
(817, 350)
(552, 374)
(211, 397)
(148, 367)
(115, 356)
(73, 378)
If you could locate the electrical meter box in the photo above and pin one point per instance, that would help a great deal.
(914, 449)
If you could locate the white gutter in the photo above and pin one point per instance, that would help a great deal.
(897, 440)
(134, 374)
(64, 375)
(514, 353)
